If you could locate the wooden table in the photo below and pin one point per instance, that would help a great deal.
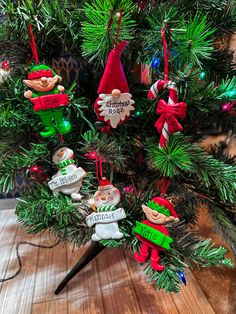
(113, 283)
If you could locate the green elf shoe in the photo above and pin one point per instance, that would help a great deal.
(48, 131)
(64, 127)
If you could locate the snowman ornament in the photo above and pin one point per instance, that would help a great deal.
(106, 216)
(69, 178)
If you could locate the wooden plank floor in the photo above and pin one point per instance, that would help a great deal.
(112, 283)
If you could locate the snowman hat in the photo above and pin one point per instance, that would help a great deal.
(164, 206)
(105, 184)
(113, 76)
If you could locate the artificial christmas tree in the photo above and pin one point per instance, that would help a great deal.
(140, 162)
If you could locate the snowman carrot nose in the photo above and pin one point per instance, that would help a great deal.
(60, 154)
(103, 198)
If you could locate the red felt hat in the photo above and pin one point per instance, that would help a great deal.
(113, 75)
(39, 74)
(167, 204)
(105, 184)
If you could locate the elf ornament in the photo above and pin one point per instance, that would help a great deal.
(68, 180)
(48, 99)
(152, 234)
(114, 104)
(107, 216)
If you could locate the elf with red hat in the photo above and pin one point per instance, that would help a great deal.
(114, 104)
(48, 100)
(152, 233)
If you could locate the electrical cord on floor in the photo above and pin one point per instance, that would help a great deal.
(19, 258)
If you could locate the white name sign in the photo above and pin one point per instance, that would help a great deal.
(115, 109)
(105, 217)
(67, 179)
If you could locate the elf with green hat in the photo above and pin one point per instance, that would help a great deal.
(48, 100)
(152, 233)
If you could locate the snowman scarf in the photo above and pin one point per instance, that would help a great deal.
(63, 164)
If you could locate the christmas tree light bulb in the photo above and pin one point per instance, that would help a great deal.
(231, 94)
(182, 277)
(202, 75)
(138, 113)
(155, 62)
(35, 168)
(6, 65)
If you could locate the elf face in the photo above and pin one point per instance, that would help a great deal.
(62, 154)
(43, 84)
(110, 196)
(156, 217)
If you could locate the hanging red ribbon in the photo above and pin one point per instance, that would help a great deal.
(170, 114)
(166, 55)
(118, 28)
(164, 185)
(93, 155)
(33, 44)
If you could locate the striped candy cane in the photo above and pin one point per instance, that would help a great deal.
(156, 88)
(173, 99)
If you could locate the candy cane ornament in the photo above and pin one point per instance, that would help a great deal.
(173, 98)
(167, 122)
(156, 89)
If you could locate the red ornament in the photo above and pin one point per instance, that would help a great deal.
(129, 189)
(6, 65)
(37, 174)
(93, 155)
(229, 107)
(35, 169)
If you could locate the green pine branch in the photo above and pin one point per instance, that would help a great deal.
(204, 170)
(11, 163)
(56, 24)
(191, 36)
(171, 160)
(100, 27)
(39, 210)
(205, 254)
(223, 224)
(197, 44)
(186, 250)
(111, 149)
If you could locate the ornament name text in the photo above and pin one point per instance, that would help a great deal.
(50, 101)
(153, 235)
(105, 217)
(116, 107)
(67, 179)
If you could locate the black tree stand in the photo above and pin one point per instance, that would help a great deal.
(94, 249)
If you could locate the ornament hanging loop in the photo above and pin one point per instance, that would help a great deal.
(120, 14)
(99, 161)
(165, 49)
(33, 44)
(165, 182)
